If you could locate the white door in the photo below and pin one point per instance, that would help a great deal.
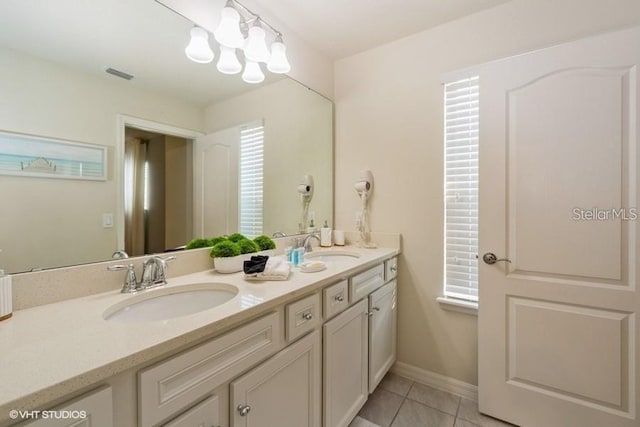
(215, 171)
(558, 340)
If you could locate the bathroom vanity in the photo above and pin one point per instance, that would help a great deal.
(302, 352)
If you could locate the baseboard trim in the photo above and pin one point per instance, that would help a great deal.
(439, 381)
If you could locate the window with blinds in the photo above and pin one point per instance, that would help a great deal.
(461, 123)
(251, 178)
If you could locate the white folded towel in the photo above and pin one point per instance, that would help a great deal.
(276, 269)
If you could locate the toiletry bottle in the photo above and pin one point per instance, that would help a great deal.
(325, 235)
(6, 307)
(312, 227)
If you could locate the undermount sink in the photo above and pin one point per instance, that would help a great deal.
(332, 255)
(169, 303)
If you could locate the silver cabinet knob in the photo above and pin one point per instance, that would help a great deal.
(490, 258)
(338, 298)
(307, 316)
(394, 268)
(243, 410)
(373, 310)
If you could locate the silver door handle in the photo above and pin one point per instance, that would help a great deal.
(490, 258)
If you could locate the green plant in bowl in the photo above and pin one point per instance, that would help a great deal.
(199, 243)
(215, 240)
(225, 249)
(236, 237)
(265, 243)
(248, 246)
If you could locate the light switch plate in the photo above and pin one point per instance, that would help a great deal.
(107, 220)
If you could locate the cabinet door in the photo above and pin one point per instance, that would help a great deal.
(205, 413)
(382, 332)
(284, 391)
(345, 365)
(93, 409)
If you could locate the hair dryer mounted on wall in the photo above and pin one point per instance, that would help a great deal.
(305, 188)
(364, 188)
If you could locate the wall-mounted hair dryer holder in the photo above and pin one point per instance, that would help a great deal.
(364, 188)
(305, 188)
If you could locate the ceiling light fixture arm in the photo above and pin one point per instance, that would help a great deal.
(253, 17)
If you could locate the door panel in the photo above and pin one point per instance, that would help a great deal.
(215, 174)
(558, 342)
(556, 160)
(545, 338)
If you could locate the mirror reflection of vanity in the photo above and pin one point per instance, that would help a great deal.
(54, 86)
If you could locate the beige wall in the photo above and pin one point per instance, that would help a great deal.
(389, 119)
(63, 218)
(298, 141)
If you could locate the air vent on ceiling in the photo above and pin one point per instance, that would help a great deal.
(119, 73)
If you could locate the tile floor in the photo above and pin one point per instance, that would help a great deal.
(400, 402)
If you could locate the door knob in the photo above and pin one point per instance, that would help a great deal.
(490, 258)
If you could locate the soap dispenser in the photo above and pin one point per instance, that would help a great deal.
(6, 308)
(325, 235)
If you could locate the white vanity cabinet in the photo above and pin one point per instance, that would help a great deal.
(286, 368)
(359, 345)
(284, 391)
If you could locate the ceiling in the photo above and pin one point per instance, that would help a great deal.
(146, 39)
(139, 37)
(340, 28)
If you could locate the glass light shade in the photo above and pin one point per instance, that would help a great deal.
(278, 63)
(228, 32)
(252, 72)
(228, 62)
(255, 48)
(198, 49)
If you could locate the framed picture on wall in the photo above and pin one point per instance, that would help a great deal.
(43, 157)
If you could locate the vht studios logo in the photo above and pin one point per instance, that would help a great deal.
(597, 214)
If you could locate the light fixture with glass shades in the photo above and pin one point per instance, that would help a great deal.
(198, 49)
(246, 32)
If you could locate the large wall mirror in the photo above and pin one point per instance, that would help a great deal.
(173, 136)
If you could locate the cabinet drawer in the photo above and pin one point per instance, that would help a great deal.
(303, 316)
(364, 283)
(170, 386)
(336, 298)
(203, 414)
(390, 269)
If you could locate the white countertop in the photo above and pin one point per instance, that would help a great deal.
(49, 351)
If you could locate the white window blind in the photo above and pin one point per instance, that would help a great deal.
(251, 178)
(461, 123)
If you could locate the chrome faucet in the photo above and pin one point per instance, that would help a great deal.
(130, 282)
(153, 274)
(120, 254)
(307, 242)
(279, 234)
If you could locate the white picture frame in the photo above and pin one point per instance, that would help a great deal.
(44, 157)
